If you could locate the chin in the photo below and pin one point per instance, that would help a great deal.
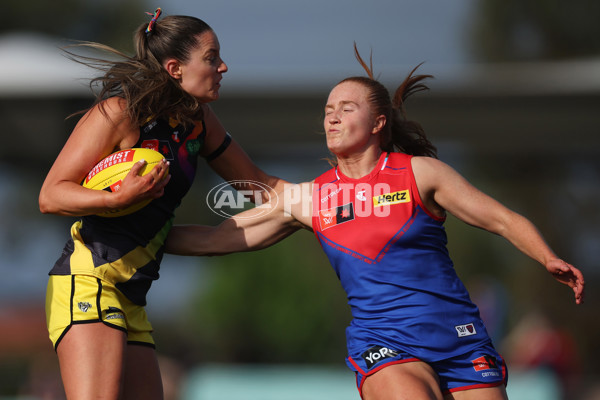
(334, 146)
(208, 99)
(335, 151)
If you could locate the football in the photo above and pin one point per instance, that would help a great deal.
(109, 173)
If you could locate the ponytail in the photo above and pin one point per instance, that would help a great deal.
(399, 133)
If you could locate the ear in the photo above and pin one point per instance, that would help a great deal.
(379, 124)
(173, 68)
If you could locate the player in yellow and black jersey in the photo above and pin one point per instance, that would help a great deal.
(97, 288)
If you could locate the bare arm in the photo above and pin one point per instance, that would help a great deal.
(253, 229)
(442, 188)
(95, 136)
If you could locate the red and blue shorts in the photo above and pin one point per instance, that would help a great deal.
(480, 368)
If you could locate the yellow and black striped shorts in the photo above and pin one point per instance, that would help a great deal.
(80, 299)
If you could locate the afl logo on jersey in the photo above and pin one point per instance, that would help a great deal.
(387, 199)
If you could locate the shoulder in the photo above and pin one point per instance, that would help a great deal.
(110, 116)
(113, 108)
(110, 113)
(428, 165)
(431, 175)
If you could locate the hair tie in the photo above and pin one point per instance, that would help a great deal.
(153, 20)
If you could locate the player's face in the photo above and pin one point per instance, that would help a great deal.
(201, 74)
(348, 119)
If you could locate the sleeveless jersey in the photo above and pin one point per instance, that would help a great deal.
(127, 250)
(390, 255)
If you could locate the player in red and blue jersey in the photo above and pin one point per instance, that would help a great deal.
(379, 216)
(407, 302)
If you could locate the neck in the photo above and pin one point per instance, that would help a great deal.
(356, 166)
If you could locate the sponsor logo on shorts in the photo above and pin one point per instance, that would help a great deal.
(465, 330)
(84, 306)
(387, 199)
(487, 365)
(376, 354)
(113, 313)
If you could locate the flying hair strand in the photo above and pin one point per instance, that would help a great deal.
(368, 68)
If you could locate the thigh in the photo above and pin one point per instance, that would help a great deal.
(142, 374)
(92, 359)
(80, 300)
(406, 381)
(492, 393)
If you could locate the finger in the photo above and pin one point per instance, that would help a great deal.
(160, 169)
(564, 267)
(137, 167)
(159, 187)
(578, 274)
(163, 181)
(164, 168)
(579, 293)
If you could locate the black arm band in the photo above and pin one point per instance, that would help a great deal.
(220, 149)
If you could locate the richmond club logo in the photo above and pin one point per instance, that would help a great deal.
(231, 198)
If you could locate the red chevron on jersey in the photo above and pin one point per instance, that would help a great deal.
(371, 203)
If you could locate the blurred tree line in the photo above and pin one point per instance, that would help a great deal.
(527, 30)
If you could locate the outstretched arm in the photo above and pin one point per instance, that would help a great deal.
(442, 187)
(254, 229)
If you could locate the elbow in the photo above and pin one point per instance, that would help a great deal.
(502, 226)
(44, 205)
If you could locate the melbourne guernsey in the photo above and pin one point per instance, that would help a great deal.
(390, 255)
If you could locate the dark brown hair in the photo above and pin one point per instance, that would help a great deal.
(399, 133)
(141, 79)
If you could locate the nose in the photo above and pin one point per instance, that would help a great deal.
(223, 67)
(333, 118)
